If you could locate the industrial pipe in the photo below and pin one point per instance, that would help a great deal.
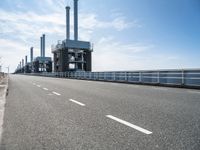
(31, 54)
(67, 22)
(43, 44)
(75, 20)
(26, 60)
(41, 47)
(22, 62)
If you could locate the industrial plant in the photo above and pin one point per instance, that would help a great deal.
(68, 55)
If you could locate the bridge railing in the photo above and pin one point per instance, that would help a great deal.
(183, 78)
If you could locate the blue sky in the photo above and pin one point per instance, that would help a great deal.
(127, 35)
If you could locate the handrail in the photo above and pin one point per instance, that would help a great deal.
(183, 78)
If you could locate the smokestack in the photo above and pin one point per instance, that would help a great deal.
(43, 45)
(20, 65)
(31, 55)
(26, 60)
(22, 62)
(67, 22)
(75, 20)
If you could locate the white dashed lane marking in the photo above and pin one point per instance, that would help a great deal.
(129, 124)
(74, 101)
(45, 89)
(56, 93)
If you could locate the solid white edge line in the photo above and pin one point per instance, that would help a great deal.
(56, 93)
(129, 124)
(79, 103)
(45, 89)
(38, 85)
(193, 92)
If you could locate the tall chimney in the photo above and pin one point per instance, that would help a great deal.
(67, 22)
(43, 44)
(75, 20)
(41, 47)
(31, 55)
(22, 63)
(26, 60)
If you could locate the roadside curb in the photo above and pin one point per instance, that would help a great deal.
(2, 106)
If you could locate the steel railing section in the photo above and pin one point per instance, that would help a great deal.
(182, 78)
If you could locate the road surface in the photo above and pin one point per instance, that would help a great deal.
(52, 113)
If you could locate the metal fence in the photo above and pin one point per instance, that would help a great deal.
(181, 78)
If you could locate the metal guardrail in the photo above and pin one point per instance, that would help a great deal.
(181, 78)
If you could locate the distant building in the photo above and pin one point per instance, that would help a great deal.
(72, 55)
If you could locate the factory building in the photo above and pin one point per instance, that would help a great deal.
(37, 65)
(72, 55)
(29, 65)
(42, 63)
(68, 55)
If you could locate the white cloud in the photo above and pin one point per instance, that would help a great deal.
(11, 52)
(91, 21)
(19, 31)
(110, 55)
(27, 23)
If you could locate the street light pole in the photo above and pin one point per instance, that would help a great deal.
(8, 70)
(0, 65)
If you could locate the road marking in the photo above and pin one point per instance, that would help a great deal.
(129, 124)
(160, 88)
(193, 92)
(134, 86)
(116, 84)
(100, 83)
(33, 83)
(45, 89)
(79, 103)
(38, 85)
(56, 93)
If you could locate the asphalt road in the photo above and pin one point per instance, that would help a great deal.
(52, 113)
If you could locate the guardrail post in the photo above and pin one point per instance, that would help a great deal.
(140, 77)
(90, 75)
(114, 76)
(158, 77)
(126, 77)
(183, 77)
(97, 76)
(84, 75)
